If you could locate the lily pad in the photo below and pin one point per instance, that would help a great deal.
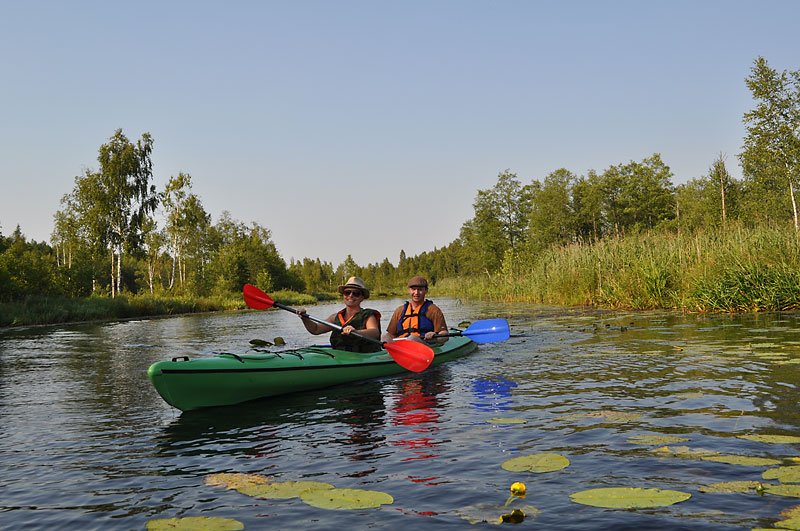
(260, 343)
(778, 357)
(345, 498)
(655, 439)
(283, 489)
(493, 513)
(514, 517)
(743, 487)
(689, 395)
(791, 490)
(191, 523)
(628, 497)
(784, 474)
(742, 460)
(504, 420)
(605, 416)
(234, 481)
(537, 463)
(279, 341)
(792, 518)
(685, 452)
(777, 439)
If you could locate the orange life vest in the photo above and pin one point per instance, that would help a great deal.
(416, 323)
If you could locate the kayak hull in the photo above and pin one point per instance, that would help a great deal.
(228, 379)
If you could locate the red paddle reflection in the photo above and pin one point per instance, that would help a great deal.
(417, 409)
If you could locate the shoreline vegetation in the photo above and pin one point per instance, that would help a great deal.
(38, 310)
(724, 270)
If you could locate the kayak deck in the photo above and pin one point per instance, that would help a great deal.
(228, 379)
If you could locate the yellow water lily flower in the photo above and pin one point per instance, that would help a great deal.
(518, 489)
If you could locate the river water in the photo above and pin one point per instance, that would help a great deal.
(86, 442)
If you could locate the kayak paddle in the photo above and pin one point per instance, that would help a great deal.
(410, 355)
(486, 331)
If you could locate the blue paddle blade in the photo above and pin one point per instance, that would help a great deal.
(487, 331)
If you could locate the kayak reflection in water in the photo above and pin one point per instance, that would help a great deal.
(418, 319)
(353, 318)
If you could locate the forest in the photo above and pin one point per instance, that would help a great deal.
(626, 236)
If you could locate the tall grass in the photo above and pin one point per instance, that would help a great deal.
(728, 270)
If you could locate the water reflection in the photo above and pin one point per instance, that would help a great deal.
(415, 407)
(493, 394)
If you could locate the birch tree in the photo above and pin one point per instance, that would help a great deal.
(112, 203)
(771, 153)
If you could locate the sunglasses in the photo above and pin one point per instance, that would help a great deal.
(352, 292)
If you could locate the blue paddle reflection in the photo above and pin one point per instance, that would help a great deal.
(492, 394)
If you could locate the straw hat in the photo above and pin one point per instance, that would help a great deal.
(355, 282)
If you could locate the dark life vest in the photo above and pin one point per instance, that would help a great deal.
(350, 343)
(414, 323)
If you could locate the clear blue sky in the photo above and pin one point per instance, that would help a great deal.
(367, 127)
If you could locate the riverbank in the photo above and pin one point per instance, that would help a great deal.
(730, 270)
(37, 310)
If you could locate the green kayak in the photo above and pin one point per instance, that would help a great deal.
(230, 379)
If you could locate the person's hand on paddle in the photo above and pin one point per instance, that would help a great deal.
(314, 326)
(347, 329)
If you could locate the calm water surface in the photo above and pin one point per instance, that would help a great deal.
(86, 443)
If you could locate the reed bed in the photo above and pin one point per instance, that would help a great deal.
(727, 270)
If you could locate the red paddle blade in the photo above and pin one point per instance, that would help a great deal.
(411, 355)
(256, 299)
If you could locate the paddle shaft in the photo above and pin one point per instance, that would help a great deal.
(449, 334)
(327, 323)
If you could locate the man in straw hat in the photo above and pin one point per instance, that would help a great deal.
(417, 319)
(353, 318)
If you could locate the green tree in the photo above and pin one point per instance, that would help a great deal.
(65, 236)
(638, 195)
(242, 254)
(187, 223)
(112, 203)
(317, 276)
(347, 269)
(73, 250)
(153, 244)
(500, 223)
(26, 269)
(771, 153)
(85, 207)
(719, 173)
(125, 174)
(708, 201)
(552, 215)
(588, 201)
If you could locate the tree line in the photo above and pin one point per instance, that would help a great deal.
(115, 232)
